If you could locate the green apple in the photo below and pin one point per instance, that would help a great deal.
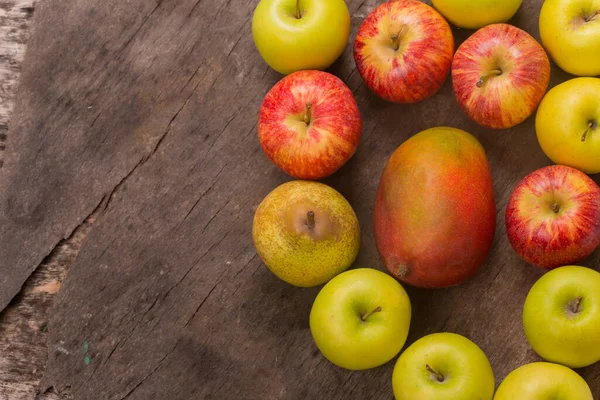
(474, 14)
(568, 124)
(360, 319)
(561, 316)
(306, 233)
(294, 35)
(570, 32)
(543, 381)
(443, 366)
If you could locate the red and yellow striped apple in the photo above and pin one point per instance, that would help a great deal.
(403, 51)
(309, 124)
(553, 217)
(435, 214)
(500, 74)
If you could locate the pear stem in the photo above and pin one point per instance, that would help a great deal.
(298, 16)
(438, 376)
(308, 113)
(487, 76)
(575, 307)
(589, 128)
(367, 315)
(591, 17)
(555, 207)
(395, 38)
(310, 219)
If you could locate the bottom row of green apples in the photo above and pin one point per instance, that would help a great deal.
(361, 318)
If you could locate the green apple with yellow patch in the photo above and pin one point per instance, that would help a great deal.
(294, 35)
(360, 319)
(475, 14)
(443, 366)
(561, 316)
(543, 381)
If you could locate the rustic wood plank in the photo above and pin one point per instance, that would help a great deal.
(168, 299)
(23, 325)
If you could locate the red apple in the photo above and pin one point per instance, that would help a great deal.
(403, 51)
(500, 75)
(553, 217)
(309, 124)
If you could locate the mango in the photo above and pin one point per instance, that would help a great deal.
(435, 215)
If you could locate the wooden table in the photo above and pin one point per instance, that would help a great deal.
(145, 113)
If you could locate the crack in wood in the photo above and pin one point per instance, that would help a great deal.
(151, 372)
(219, 279)
(200, 198)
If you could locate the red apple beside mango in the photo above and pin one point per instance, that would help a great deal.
(309, 124)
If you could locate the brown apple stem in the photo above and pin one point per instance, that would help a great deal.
(591, 17)
(308, 113)
(367, 315)
(589, 128)
(298, 16)
(555, 207)
(437, 375)
(310, 219)
(487, 76)
(395, 38)
(575, 307)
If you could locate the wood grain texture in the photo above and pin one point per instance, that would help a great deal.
(15, 17)
(167, 298)
(23, 325)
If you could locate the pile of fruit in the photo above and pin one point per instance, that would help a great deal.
(435, 213)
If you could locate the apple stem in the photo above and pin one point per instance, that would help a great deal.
(308, 113)
(438, 376)
(298, 15)
(310, 219)
(576, 306)
(591, 17)
(589, 128)
(395, 38)
(555, 208)
(367, 315)
(487, 76)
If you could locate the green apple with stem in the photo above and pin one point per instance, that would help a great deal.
(360, 319)
(543, 381)
(561, 316)
(443, 366)
(294, 35)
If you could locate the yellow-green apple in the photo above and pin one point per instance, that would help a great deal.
(309, 124)
(360, 319)
(294, 35)
(499, 75)
(541, 381)
(561, 316)
(403, 51)
(443, 366)
(306, 233)
(435, 215)
(474, 14)
(570, 31)
(553, 217)
(568, 124)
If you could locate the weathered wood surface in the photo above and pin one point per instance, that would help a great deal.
(23, 325)
(167, 298)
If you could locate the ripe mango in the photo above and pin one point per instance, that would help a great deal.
(435, 214)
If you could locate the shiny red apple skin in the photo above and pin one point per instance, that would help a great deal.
(319, 148)
(506, 100)
(417, 70)
(548, 238)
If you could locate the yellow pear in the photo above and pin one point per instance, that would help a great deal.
(306, 233)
